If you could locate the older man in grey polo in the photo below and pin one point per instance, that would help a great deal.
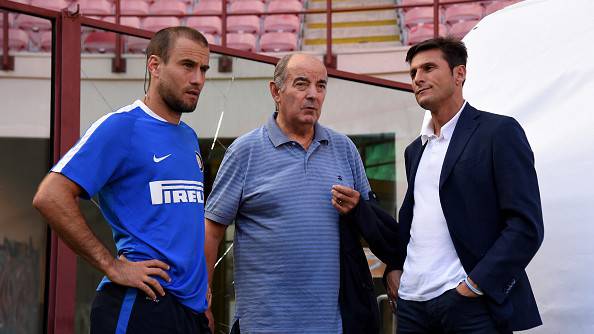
(285, 185)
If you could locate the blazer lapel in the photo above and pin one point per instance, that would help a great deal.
(467, 124)
(416, 158)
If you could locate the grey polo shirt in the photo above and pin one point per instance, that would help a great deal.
(287, 265)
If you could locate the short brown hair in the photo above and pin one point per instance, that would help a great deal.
(161, 44)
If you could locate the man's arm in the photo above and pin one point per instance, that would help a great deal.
(519, 203)
(213, 235)
(57, 201)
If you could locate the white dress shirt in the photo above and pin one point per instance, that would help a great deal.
(432, 265)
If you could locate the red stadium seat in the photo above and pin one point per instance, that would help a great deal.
(281, 23)
(136, 44)
(94, 7)
(211, 39)
(11, 19)
(53, 4)
(461, 28)
(28, 22)
(422, 32)
(276, 6)
(169, 7)
(245, 42)
(33, 23)
(205, 24)
(463, 12)
(247, 6)
(415, 2)
(17, 39)
(45, 41)
(497, 5)
(211, 7)
(157, 23)
(418, 15)
(100, 41)
(278, 41)
(243, 23)
(134, 7)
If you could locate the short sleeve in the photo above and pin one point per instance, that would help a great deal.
(97, 156)
(223, 202)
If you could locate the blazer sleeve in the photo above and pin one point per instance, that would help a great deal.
(378, 228)
(517, 190)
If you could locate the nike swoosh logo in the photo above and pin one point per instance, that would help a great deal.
(155, 159)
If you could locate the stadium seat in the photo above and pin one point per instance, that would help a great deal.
(134, 7)
(169, 7)
(136, 44)
(418, 15)
(247, 6)
(278, 41)
(45, 41)
(422, 32)
(28, 22)
(205, 24)
(130, 21)
(210, 38)
(497, 5)
(99, 41)
(463, 12)
(11, 19)
(17, 39)
(276, 6)
(156, 23)
(53, 4)
(281, 23)
(245, 42)
(243, 23)
(415, 2)
(33, 23)
(210, 7)
(461, 28)
(95, 7)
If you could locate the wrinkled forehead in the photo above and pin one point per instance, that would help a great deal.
(307, 68)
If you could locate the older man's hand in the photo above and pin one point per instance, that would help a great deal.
(344, 199)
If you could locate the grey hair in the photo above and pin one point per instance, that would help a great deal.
(280, 71)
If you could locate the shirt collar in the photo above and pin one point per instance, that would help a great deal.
(149, 112)
(278, 137)
(447, 130)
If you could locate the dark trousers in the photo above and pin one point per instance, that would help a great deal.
(450, 313)
(118, 309)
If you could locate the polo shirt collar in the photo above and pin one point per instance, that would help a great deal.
(277, 136)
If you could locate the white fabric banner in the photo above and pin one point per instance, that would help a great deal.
(535, 61)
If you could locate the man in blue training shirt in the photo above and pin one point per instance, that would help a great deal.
(144, 165)
(285, 185)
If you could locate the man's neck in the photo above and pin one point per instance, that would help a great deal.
(159, 107)
(304, 135)
(442, 115)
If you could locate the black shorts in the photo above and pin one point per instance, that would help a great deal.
(119, 309)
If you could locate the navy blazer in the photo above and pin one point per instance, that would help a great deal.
(490, 198)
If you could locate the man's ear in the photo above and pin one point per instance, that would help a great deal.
(153, 65)
(274, 91)
(460, 74)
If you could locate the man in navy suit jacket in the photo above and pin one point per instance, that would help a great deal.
(471, 219)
